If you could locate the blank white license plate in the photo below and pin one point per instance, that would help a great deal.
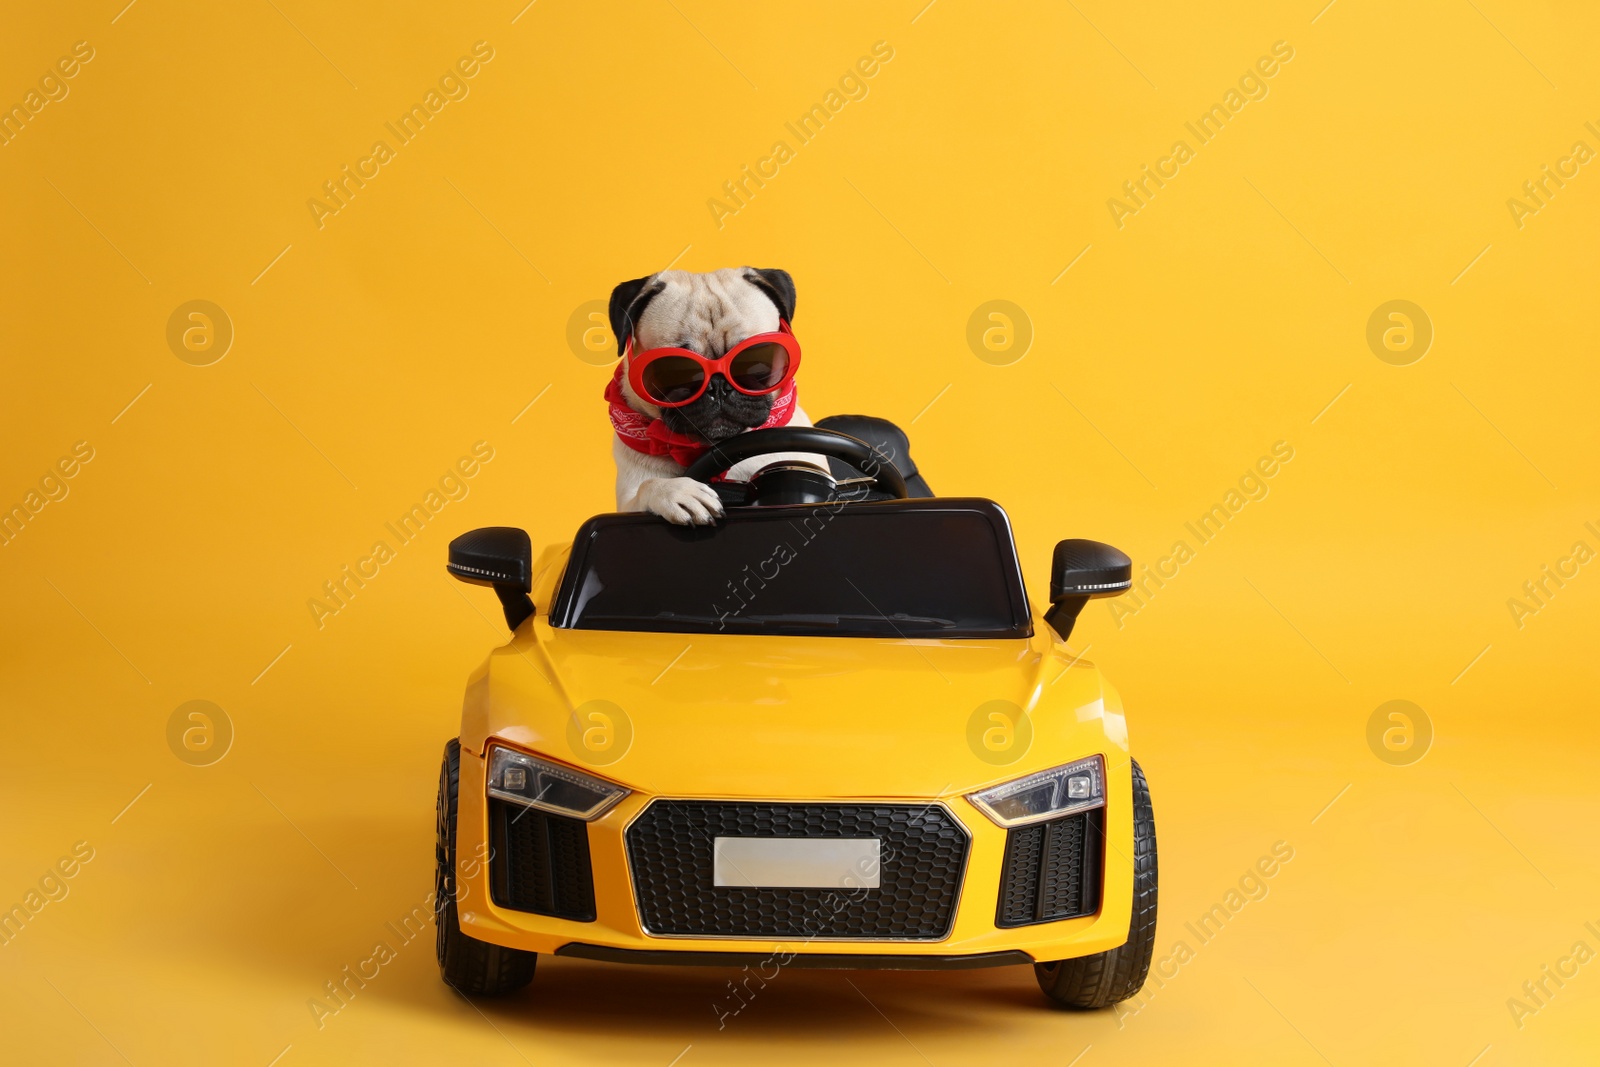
(797, 863)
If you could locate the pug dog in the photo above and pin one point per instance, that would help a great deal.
(708, 314)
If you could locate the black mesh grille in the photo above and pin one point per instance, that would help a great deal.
(540, 862)
(1052, 870)
(923, 857)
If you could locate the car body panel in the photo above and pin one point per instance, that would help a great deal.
(790, 718)
(617, 923)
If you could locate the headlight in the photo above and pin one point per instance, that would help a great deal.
(537, 783)
(1049, 794)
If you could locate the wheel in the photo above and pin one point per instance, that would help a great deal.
(474, 967)
(1100, 980)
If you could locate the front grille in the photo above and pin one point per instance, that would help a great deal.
(921, 863)
(1052, 870)
(540, 862)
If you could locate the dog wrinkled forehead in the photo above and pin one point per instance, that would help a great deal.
(707, 313)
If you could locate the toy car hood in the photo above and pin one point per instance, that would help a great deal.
(760, 715)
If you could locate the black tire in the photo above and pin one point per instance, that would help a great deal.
(1100, 980)
(473, 967)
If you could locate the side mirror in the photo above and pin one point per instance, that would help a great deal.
(498, 556)
(1081, 571)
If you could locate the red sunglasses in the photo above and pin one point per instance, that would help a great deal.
(673, 377)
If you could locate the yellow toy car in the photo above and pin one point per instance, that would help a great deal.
(828, 731)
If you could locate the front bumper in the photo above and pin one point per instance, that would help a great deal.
(973, 937)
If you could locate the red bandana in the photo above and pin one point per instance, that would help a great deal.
(643, 434)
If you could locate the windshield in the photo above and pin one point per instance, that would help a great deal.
(905, 568)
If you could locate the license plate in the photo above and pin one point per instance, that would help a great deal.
(797, 863)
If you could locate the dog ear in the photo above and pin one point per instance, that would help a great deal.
(778, 286)
(628, 302)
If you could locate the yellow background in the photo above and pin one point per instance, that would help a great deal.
(426, 315)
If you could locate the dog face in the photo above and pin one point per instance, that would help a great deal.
(707, 314)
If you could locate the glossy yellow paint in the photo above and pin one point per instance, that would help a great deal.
(789, 718)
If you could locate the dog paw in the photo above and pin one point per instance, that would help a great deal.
(684, 501)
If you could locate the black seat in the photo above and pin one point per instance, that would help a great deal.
(887, 438)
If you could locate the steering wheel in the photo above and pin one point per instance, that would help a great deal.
(881, 471)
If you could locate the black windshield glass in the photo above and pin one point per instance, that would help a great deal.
(917, 568)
